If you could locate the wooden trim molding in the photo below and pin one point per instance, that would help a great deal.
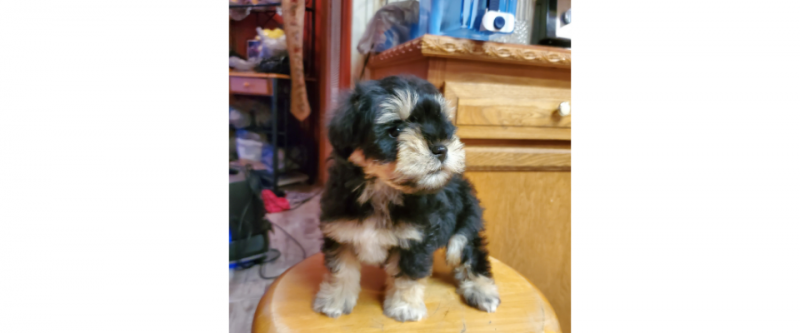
(410, 50)
(493, 158)
(449, 47)
(513, 133)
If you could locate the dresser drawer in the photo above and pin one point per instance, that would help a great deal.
(505, 158)
(251, 86)
(507, 111)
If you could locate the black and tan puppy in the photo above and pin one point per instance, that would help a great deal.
(395, 194)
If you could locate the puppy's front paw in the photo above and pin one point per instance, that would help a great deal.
(404, 311)
(333, 304)
(481, 293)
(333, 307)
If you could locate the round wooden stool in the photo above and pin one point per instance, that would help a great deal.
(286, 307)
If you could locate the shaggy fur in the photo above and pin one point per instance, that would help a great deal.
(391, 200)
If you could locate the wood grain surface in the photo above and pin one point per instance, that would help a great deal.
(554, 144)
(417, 67)
(522, 105)
(437, 72)
(492, 104)
(464, 70)
(286, 307)
(528, 227)
(523, 112)
(516, 159)
(537, 55)
(513, 133)
(457, 48)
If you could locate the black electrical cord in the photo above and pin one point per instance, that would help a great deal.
(298, 204)
(261, 269)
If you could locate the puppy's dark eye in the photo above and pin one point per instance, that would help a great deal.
(394, 131)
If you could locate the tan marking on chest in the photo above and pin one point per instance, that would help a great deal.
(371, 242)
(373, 237)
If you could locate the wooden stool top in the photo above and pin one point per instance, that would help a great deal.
(287, 305)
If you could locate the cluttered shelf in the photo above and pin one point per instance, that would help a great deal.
(272, 134)
(268, 15)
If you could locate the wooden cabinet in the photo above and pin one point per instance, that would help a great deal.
(508, 104)
(513, 113)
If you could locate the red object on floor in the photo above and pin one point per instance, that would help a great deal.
(273, 203)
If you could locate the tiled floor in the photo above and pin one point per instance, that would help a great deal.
(247, 287)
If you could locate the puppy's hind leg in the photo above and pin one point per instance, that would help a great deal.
(339, 292)
(473, 272)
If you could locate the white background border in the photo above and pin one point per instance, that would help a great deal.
(113, 192)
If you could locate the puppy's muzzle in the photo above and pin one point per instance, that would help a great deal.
(440, 151)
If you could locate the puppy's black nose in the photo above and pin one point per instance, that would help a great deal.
(440, 151)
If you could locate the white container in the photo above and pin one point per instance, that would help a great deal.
(249, 149)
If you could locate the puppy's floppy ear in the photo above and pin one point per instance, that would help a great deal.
(352, 120)
(343, 128)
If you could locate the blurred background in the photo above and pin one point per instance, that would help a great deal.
(505, 66)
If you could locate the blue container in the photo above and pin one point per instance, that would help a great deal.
(471, 19)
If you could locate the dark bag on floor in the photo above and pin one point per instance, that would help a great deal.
(247, 224)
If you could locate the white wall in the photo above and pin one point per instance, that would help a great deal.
(363, 10)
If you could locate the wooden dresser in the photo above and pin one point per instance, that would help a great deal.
(513, 114)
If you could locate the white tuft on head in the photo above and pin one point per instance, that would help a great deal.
(387, 116)
(448, 110)
(401, 104)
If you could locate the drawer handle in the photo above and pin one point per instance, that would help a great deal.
(246, 84)
(564, 109)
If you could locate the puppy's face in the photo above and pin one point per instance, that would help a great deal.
(398, 130)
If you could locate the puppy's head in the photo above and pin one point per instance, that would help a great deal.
(398, 130)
